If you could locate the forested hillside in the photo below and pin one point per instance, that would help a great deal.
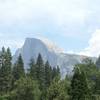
(41, 81)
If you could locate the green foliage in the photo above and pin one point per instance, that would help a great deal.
(18, 69)
(33, 69)
(48, 74)
(57, 90)
(79, 87)
(5, 97)
(55, 72)
(43, 73)
(97, 85)
(98, 62)
(26, 89)
(40, 72)
(91, 72)
(43, 82)
(5, 71)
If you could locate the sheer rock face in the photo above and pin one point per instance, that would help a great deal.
(32, 47)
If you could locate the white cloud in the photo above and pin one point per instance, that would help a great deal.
(70, 52)
(60, 11)
(10, 41)
(94, 45)
(64, 14)
(13, 44)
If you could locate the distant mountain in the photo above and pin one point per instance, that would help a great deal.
(33, 46)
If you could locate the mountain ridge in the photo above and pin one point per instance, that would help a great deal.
(33, 46)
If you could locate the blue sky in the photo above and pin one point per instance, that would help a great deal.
(73, 25)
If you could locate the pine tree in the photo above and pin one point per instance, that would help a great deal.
(58, 71)
(41, 75)
(9, 67)
(40, 71)
(25, 89)
(48, 74)
(5, 71)
(97, 85)
(57, 90)
(98, 62)
(79, 87)
(18, 69)
(33, 69)
(55, 72)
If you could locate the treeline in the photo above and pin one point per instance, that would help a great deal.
(43, 82)
(16, 83)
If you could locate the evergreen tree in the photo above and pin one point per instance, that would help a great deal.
(91, 72)
(18, 69)
(97, 86)
(33, 69)
(8, 65)
(98, 62)
(79, 87)
(40, 71)
(48, 74)
(25, 89)
(9, 57)
(5, 71)
(55, 72)
(41, 75)
(58, 71)
(57, 90)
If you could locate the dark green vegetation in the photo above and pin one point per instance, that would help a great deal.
(43, 82)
